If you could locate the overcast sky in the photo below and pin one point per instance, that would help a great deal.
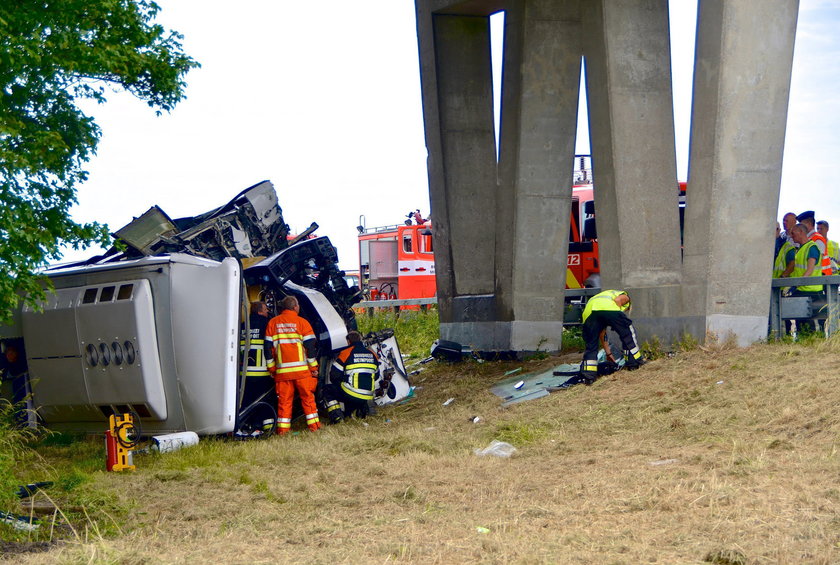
(323, 99)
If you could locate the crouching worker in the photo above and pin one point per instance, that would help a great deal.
(293, 364)
(607, 310)
(352, 380)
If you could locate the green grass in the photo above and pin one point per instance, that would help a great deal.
(672, 462)
(14, 451)
(415, 330)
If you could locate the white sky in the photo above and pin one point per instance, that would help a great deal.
(323, 99)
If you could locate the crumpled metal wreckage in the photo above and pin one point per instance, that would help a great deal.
(125, 324)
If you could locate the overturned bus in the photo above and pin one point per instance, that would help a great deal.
(153, 326)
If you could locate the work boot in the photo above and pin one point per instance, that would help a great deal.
(334, 411)
(632, 363)
(584, 378)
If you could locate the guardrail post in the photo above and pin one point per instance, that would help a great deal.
(777, 327)
(831, 303)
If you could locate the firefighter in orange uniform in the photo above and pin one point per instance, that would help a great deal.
(292, 345)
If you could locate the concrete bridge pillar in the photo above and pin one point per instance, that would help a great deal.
(631, 127)
(538, 126)
(501, 228)
(741, 86)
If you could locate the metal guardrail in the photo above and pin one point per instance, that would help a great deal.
(396, 303)
(830, 312)
(570, 293)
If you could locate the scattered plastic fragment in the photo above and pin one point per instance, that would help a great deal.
(664, 462)
(448, 402)
(519, 385)
(30, 489)
(475, 419)
(719, 382)
(482, 530)
(20, 523)
(497, 449)
(512, 371)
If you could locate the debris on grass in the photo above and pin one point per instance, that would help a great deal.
(663, 462)
(497, 449)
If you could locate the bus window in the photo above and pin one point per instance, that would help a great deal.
(407, 248)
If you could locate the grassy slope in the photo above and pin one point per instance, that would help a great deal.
(729, 456)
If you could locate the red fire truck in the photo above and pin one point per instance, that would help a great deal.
(397, 261)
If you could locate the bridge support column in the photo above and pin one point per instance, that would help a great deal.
(538, 126)
(501, 231)
(741, 88)
(628, 83)
(458, 112)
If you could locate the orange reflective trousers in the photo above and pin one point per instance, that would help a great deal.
(285, 397)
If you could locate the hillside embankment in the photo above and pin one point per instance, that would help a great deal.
(716, 455)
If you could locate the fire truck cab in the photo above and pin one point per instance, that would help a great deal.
(397, 261)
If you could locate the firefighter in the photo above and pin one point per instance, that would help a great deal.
(607, 310)
(258, 380)
(352, 380)
(293, 364)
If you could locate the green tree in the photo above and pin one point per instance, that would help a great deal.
(54, 53)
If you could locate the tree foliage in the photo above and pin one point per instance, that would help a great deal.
(54, 53)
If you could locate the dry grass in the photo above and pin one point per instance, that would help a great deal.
(715, 456)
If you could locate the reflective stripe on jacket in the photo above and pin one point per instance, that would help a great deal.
(825, 264)
(355, 368)
(800, 265)
(257, 366)
(285, 337)
(603, 301)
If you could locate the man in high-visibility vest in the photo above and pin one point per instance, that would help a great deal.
(783, 264)
(806, 264)
(608, 309)
(293, 364)
(833, 249)
(352, 380)
(807, 219)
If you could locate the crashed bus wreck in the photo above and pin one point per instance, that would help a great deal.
(152, 327)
